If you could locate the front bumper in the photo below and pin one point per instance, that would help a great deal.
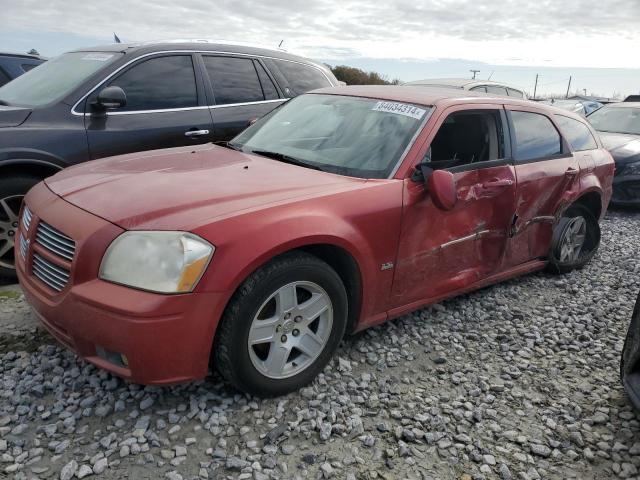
(145, 337)
(626, 191)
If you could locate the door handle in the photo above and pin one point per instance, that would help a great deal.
(571, 172)
(498, 182)
(196, 133)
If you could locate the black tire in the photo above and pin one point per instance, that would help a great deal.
(591, 241)
(12, 187)
(630, 356)
(231, 356)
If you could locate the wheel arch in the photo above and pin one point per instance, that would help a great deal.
(592, 201)
(30, 166)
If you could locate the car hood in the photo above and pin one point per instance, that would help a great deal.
(13, 116)
(621, 145)
(185, 188)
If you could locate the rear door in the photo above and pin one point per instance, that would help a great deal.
(166, 107)
(242, 91)
(547, 176)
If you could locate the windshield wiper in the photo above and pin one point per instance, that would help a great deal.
(285, 158)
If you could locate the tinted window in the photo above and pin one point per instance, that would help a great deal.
(302, 78)
(4, 78)
(496, 90)
(28, 66)
(614, 119)
(479, 89)
(234, 80)
(269, 89)
(514, 93)
(535, 135)
(163, 82)
(576, 133)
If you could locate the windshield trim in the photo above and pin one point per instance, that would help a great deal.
(411, 142)
(213, 52)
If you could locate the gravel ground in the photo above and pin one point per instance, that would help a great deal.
(519, 380)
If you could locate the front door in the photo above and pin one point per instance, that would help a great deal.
(166, 107)
(441, 252)
(546, 173)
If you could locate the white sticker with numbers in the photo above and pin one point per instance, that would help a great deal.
(97, 57)
(400, 109)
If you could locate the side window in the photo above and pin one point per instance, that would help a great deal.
(302, 78)
(495, 90)
(467, 137)
(235, 80)
(576, 133)
(480, 88)
(4, 78)
(535, 136)
(28, 66)
(512, 92)
(269, 89)
(159, 83)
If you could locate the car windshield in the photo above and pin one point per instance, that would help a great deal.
(359, 137)
(54, 79)
(616, 120)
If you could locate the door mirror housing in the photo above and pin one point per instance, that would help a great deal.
(110, 98)
(441, 185)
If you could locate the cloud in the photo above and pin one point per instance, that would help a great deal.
(498, 31)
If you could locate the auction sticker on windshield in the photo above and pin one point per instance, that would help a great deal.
(99, 57)
(400, 109)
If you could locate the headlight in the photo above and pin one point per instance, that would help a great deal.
(165, 262)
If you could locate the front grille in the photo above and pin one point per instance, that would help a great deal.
(51, 275)
(23, 246)
(26, 218)
(55, 241)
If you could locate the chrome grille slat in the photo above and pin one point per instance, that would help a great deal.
(46, 277)
(26, 218)
(23, 247)
(50, 268)
(54, 247)
(57, 233)
(55, 241)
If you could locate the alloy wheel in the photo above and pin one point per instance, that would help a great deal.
(290, 329)
(9, 211)
(573, 240)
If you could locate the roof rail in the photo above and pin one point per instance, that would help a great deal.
(212, 41)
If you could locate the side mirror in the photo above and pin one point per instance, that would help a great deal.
(110, 98)
(442, 188)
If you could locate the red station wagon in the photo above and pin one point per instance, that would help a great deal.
(339, 210)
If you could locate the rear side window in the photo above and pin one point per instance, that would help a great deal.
(535, 136)
(576, 133)
(514, 93)
(28, 66)
(481, 88)
(302, 78)
(4, 78)
(235, 80)
(269, 89)
(159, 83)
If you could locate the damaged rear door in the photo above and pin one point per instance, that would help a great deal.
(546, 173)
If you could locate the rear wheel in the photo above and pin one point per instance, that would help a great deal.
(12, 192)
(282, 326)
(576, 238)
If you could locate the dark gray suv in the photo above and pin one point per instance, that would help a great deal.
(120, 98)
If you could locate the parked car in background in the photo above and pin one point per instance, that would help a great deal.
(485, 86)
(630, 358)
(119, 98)
(619, 128)
(581, 107)
(344, 208)
(12, 65)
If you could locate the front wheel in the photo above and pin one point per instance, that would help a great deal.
(282, 326)
(575, 240)
(12, 192)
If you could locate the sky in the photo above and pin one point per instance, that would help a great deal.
(595, 42)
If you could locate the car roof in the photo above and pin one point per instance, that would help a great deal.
(623, 105)
(423, 95)
(197, 45)
(458, 82)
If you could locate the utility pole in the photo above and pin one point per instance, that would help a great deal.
(585, 91)
(568, 87)
(535, 88)
(475, 72)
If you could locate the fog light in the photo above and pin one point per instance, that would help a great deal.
(116, 358)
